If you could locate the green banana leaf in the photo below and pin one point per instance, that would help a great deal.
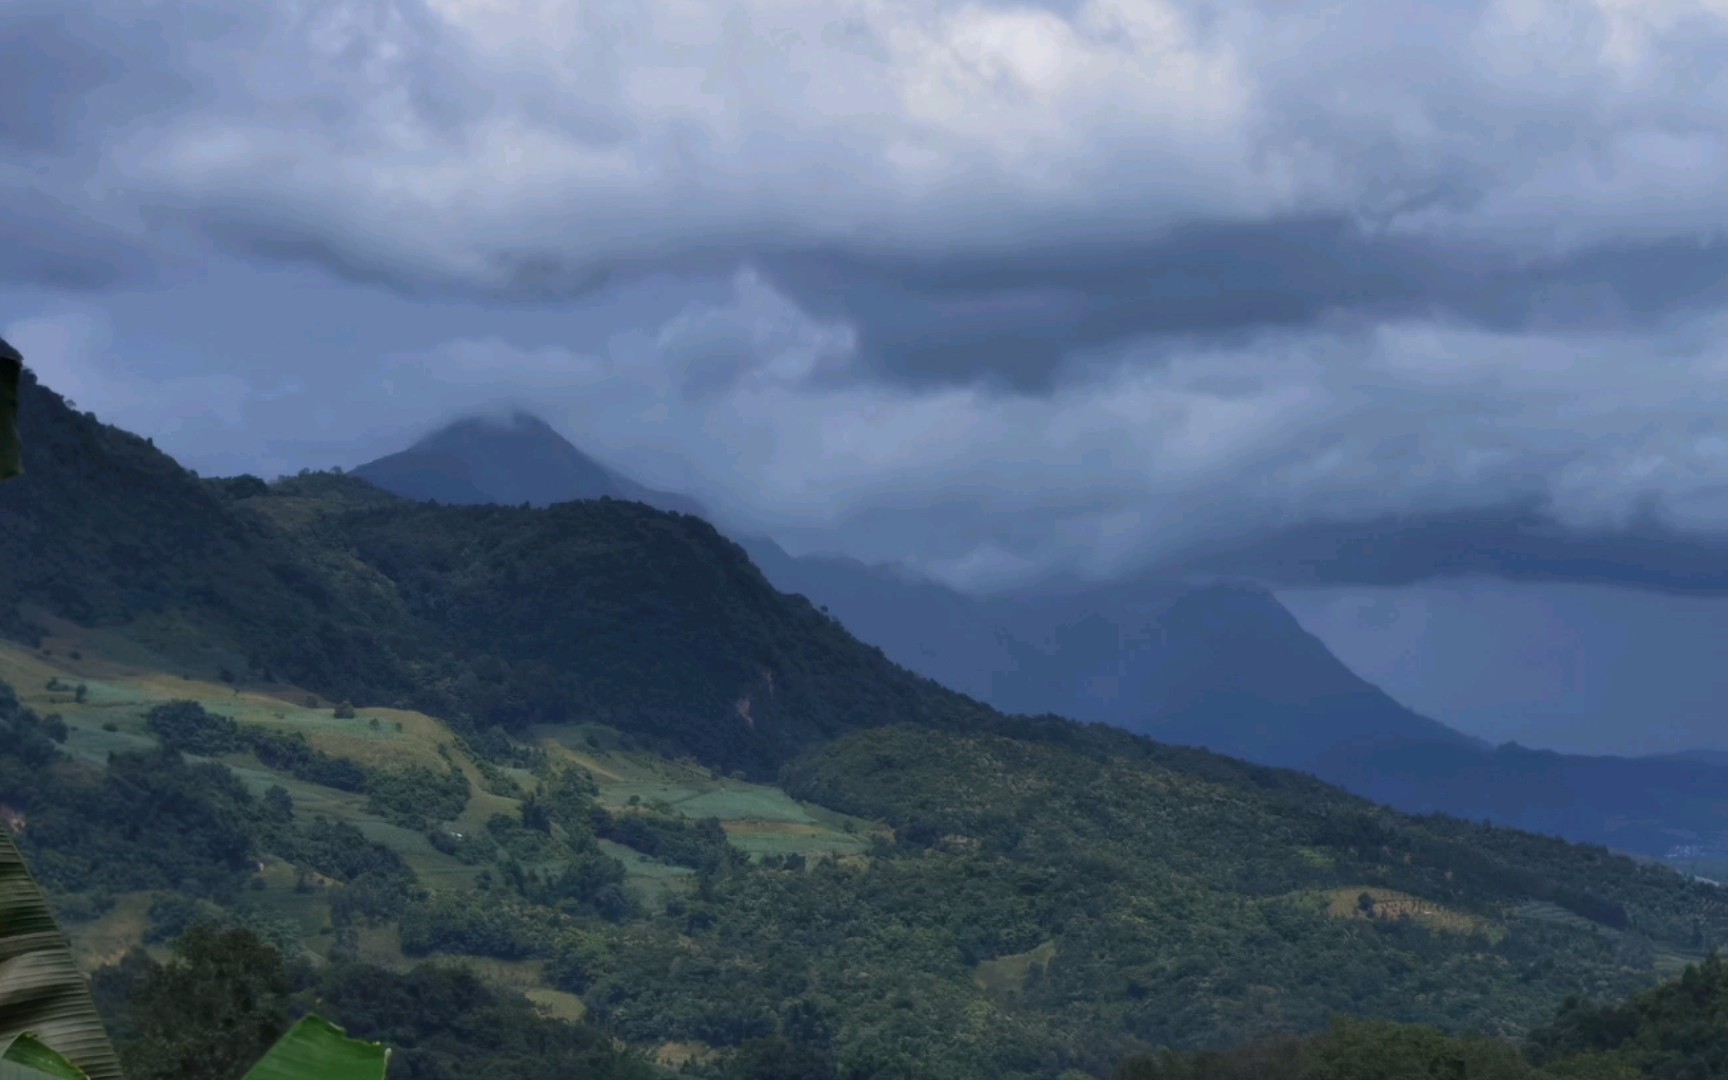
(316, 1049)
(25, 1057)
(49, 1029)
(11, 371)
(42, 992)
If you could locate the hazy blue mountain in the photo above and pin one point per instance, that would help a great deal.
(512, 459)
(1223, 666)
(1647, 805)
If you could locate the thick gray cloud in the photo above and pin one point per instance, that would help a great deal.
(1001, 289)
(1021, 323)
(1265, 159)
(1511, 541)
(69, 82)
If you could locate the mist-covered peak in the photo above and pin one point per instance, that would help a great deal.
(509, 456)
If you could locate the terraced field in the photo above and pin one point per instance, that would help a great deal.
(103, 685)
(760, 820)
(1346, 903)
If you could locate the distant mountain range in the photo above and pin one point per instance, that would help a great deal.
(1221, 665)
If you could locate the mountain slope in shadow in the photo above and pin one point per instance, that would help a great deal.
(488, 616)
(1222, 666)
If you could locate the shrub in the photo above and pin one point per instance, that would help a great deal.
(186, 726)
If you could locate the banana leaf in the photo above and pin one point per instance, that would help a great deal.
(25, 1057)
(11, 371)
(42, 993)
(316, 1049)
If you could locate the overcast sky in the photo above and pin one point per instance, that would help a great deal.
(1404, 288)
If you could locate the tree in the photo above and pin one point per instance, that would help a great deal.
(535, 815)
(210, 1011)
(780, 1059)
(11, 371)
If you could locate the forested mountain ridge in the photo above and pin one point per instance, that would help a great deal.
(103, 528)
(469, 612)
(606, 611)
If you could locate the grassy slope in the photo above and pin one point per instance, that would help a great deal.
(119, 690)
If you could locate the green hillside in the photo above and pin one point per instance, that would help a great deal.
(669, 818)
(602, 611)
(1674, 1032)
(992, 903)
(599, 611)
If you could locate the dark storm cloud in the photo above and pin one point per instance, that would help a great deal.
(49, 75)
(1073, 288)
(435, 145)
(1019, 322)
(1028, 324)
(1517, 543)
(70, 81)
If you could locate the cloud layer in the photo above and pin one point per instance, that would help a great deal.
(1030, 154)
(1571, 454)
(1002, 289)
(1384, 452)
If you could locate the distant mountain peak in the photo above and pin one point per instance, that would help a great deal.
(508, 455)
(515, 425)
(513, 418)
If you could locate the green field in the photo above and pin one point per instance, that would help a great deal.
(759, 819)
(108, 718)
